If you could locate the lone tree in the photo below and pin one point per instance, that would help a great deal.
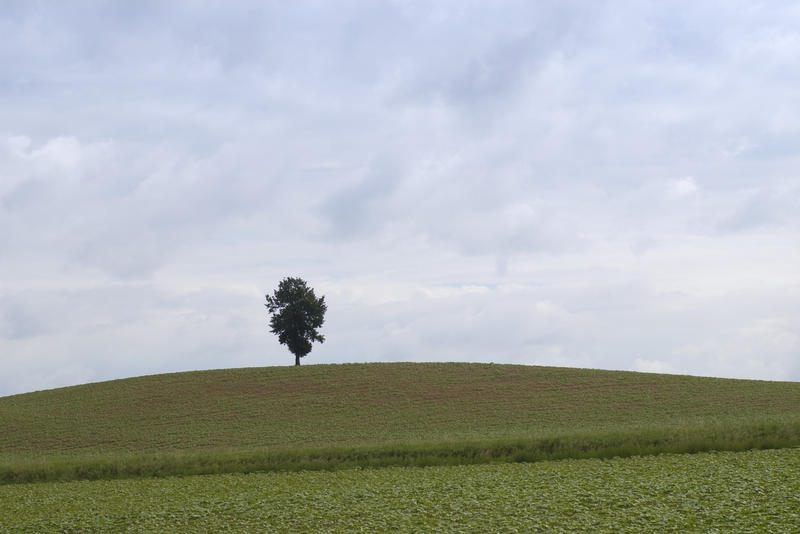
(296, 314)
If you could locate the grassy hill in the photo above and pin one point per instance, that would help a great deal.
(324, 416)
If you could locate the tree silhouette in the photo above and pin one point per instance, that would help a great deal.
(296, 314)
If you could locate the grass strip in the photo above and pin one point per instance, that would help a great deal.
(623, 443)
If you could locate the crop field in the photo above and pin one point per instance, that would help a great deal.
(340, 416)
(755, 491)
(329, 405)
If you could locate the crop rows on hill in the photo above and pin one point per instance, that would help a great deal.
(341, 416)
(756, 491)
(370, 404)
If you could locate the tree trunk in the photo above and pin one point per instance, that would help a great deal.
(297, 359)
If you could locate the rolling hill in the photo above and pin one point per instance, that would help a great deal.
(325, 416)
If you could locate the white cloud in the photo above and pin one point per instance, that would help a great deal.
(683, 186)
(557, 183)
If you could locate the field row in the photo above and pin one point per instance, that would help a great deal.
(755, 491)
(728, 436)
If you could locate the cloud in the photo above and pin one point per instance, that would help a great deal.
(756, 209)
(18, 320)
(683, 186)
(601, 186)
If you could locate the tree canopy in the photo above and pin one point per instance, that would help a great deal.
(296, 314)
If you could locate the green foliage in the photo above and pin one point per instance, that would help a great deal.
(757, 491)
(296, 314)
(633, 442)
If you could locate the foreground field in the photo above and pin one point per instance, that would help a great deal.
(756, 491)
(339, 416)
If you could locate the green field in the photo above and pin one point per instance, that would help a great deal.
(338, 416)
(756, 491)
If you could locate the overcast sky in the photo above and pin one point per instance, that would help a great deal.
(588, 184)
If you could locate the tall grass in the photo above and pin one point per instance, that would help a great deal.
(609, 444)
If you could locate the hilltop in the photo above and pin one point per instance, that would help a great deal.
(383, 413)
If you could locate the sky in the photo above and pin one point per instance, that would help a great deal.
(605, 184)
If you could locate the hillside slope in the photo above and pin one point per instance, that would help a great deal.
(324, 405)
(324, 416)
